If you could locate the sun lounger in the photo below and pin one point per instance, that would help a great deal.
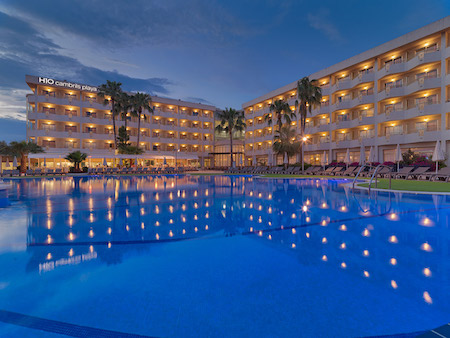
(404, 172)
(310, 170)
(443, 174)
(29, 172)
(346, 172)
(50, 172)
(337, 170)
(58, 171)
(15, 172)
(327, 171)
(416, 173)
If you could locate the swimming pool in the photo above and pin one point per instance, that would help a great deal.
(221, 256)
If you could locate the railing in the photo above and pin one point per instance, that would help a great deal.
(375, 173)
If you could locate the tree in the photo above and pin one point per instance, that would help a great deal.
(114, 91)
(231, 120)
(124, 105)
(20, 150)
(122, 138)
(309, 95)
(281, 110)
(141, 102)
(76, 158)
(284, 142)
(131, 150)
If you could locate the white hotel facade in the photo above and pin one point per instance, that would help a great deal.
(63, 117)
(396, 93)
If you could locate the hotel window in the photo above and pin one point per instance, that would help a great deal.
(50, 144)
(70, 128)
(70, 144)
(342, 117)
(183, 136)
(366, 112)
(69, 111)
(49, 127)
(195, 113)
(323, 139)
(428, 49)
(389, 108)
(432, 99)
(91, 129)
(427, 75)
(343, 137)
(366, 92)
(344, 98)
(48, 93)
(70, 96)
(366, 71)
(394, 61)
(89, 114)
(325, 103)
(170, 123)
(427, 126)
(48, 110)
(323, 121)
(394, 130)
(394, 84)
(366, 133)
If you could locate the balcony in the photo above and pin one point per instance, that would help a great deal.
(413, 137)
(342, 85)
(423, 83)
(347, 104)
(363, 99)
(52, 133)
(419, 59)
(363, 78)
(415, 111)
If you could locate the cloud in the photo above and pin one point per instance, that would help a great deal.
(26, 51)
(137, 22)
(321, 21)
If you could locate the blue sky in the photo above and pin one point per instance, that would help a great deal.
(219, 52)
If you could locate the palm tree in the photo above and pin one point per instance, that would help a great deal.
(231, 120)
(141, 102)
(76, 158)
(309, 95)
(114, 91)
(284, 142)
(282, 111)
(124, 105)
(21, 150)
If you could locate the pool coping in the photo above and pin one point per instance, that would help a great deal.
(357, 186)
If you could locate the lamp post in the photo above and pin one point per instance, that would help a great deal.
(304, 139)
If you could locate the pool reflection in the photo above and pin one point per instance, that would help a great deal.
(396, 241)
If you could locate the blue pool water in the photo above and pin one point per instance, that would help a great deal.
(221, 256)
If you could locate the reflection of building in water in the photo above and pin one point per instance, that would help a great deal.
(100, 217)
(410, 257)
(398, 242)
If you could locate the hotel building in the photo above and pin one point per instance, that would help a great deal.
(396, 93)
(63, 117)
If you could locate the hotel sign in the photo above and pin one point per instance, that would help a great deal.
(65, 84)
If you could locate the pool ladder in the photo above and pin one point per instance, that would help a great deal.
(374, 175)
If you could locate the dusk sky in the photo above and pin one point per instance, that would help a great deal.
(218, 52)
